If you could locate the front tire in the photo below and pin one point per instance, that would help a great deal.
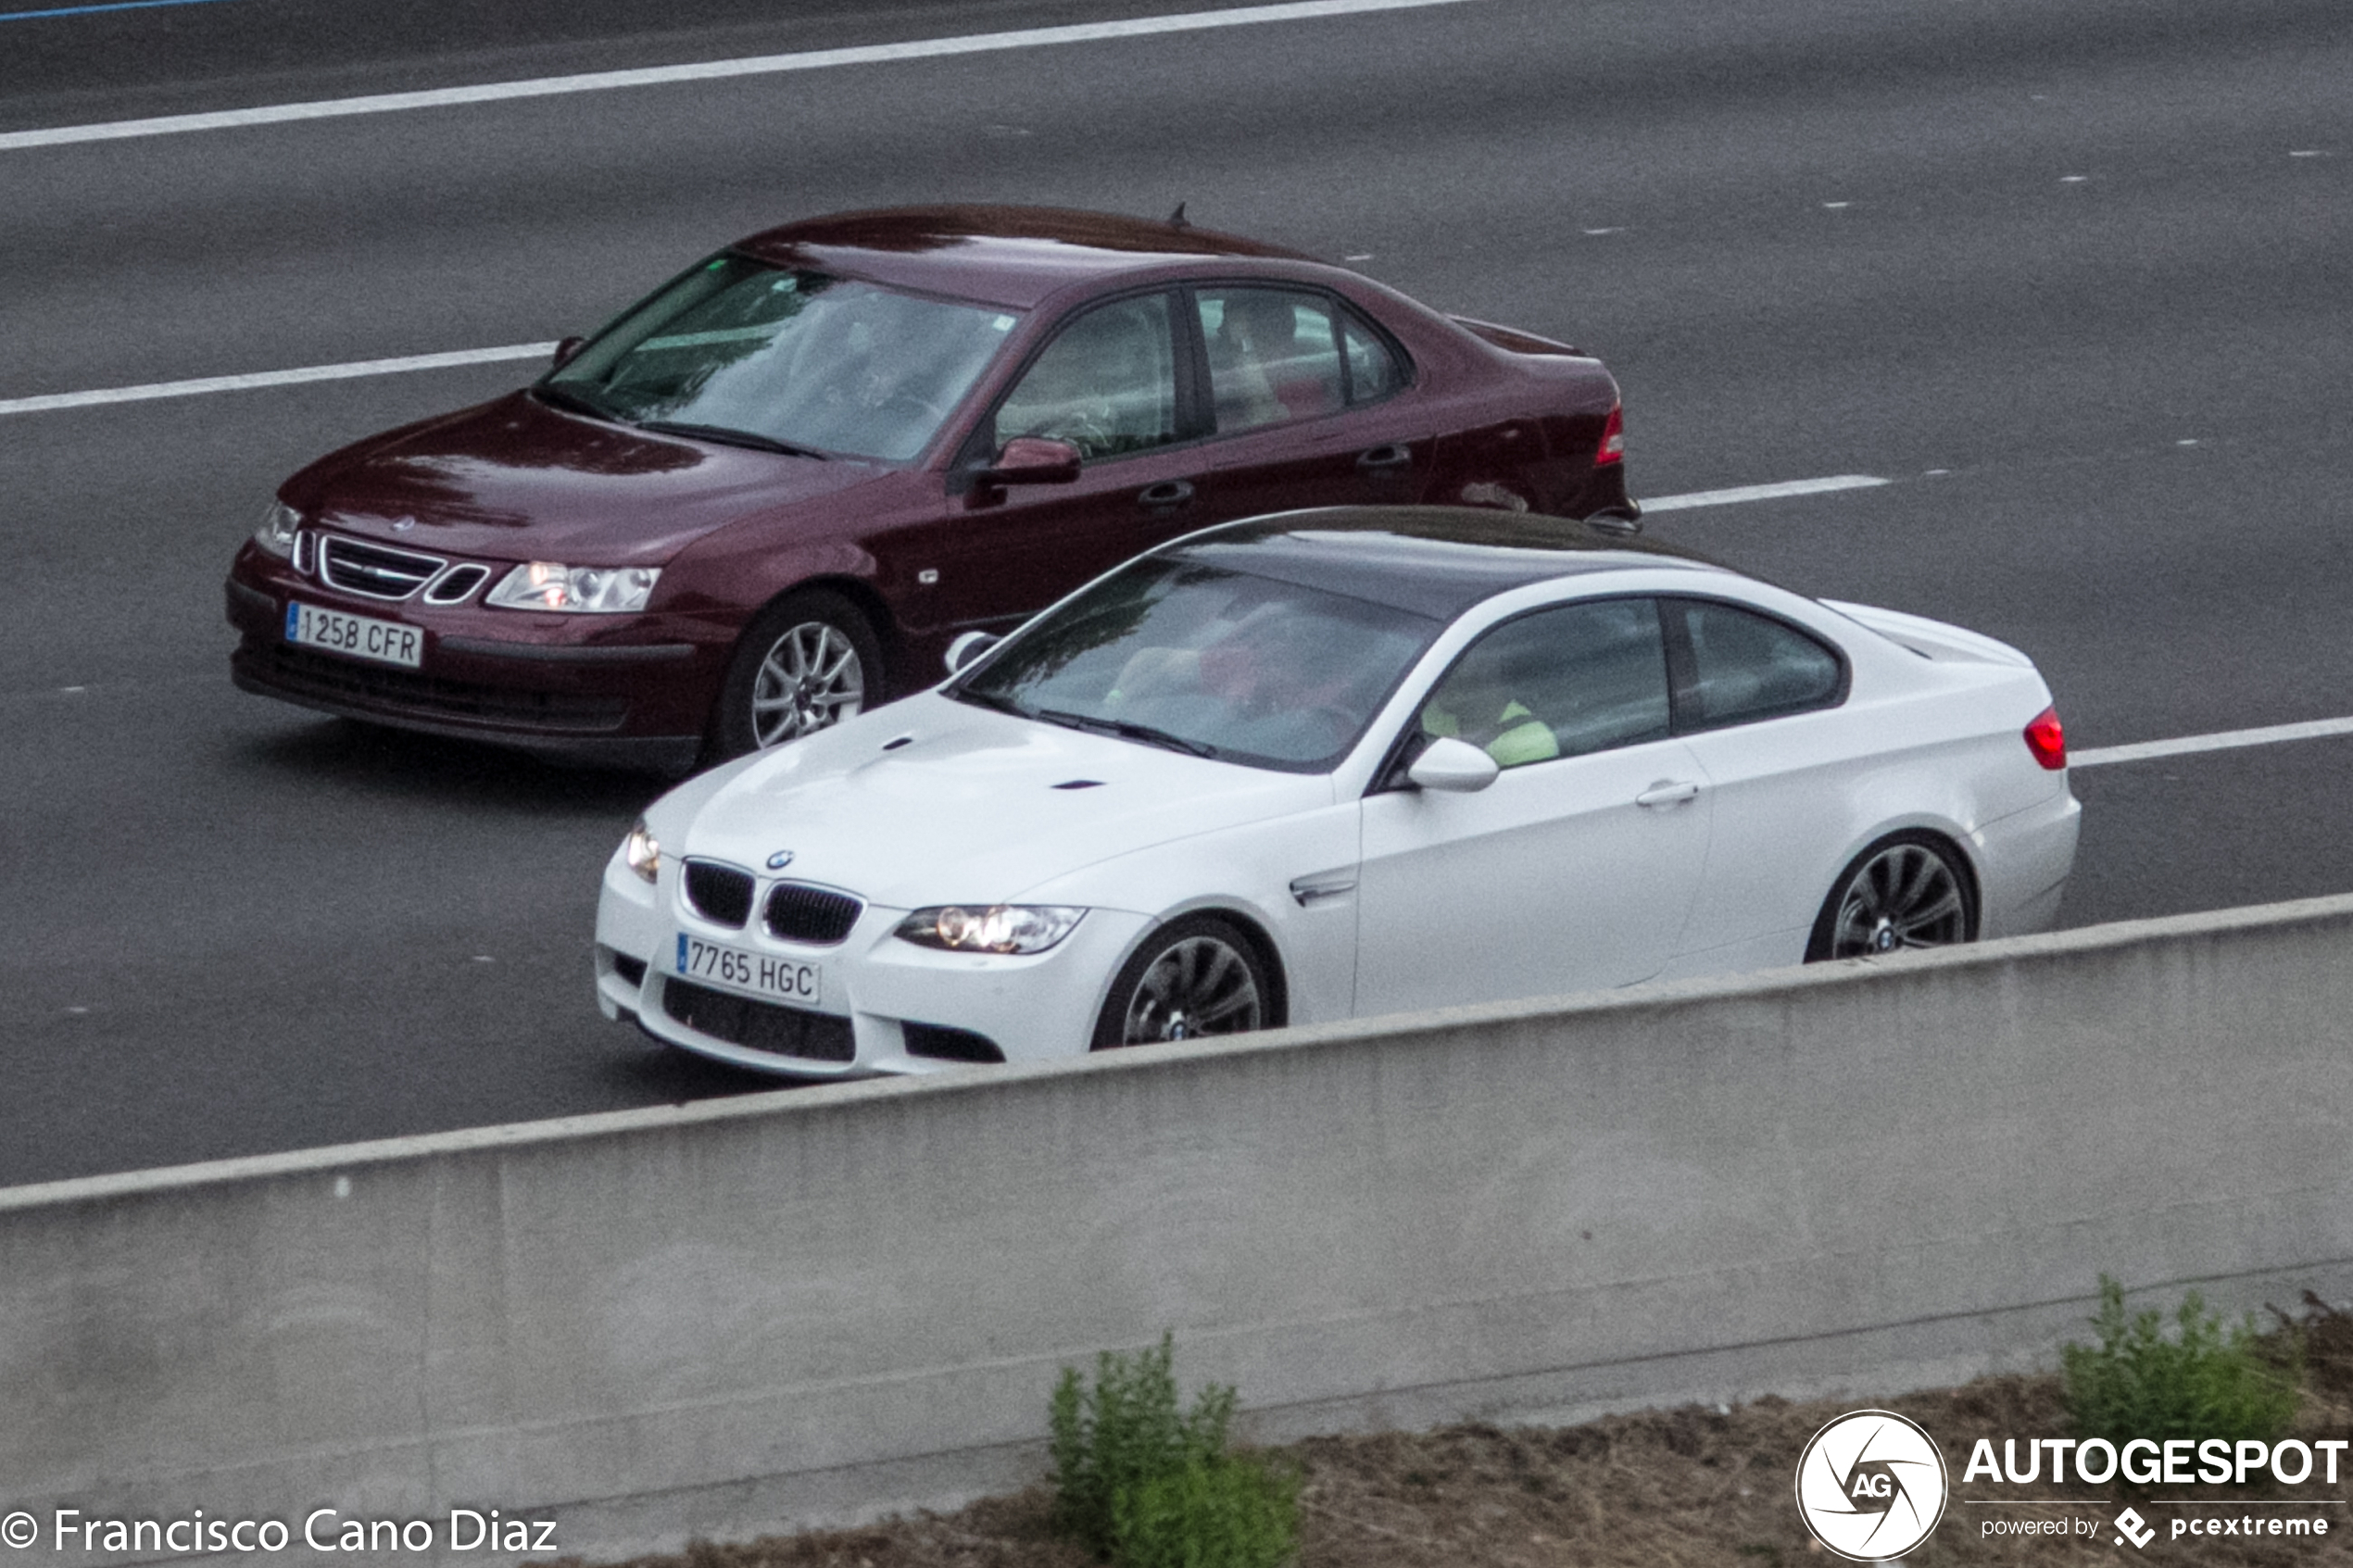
(805, 663)
(1907, 890)
(1196, 976)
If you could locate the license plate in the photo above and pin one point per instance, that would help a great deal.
(787, 980)
(356, 636)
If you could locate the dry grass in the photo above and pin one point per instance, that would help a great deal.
(1661, 1489)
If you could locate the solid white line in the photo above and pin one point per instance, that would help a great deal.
(1760, 492)
(2228, 740)
(275, 378)
(762, 65)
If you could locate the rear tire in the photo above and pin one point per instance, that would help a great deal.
(1907, 890)
(1198, 976)
(805, 663)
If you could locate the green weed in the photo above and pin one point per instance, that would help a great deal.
(2210, 1380)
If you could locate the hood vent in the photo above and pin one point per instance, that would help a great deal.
(1079, 784)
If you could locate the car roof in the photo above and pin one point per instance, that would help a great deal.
(1437, 561)
(1010, 255)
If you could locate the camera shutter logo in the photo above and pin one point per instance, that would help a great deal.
(1871, 1486)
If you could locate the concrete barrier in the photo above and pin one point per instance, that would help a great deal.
(727, 1317)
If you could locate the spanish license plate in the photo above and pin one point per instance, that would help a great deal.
(787, 980)
(356, 636)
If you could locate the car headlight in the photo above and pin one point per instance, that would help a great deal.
(276, 533)
(999, 928)
(640, 852)
(581, 590)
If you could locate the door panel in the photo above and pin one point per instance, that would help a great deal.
(1301, 397)
(1550, 880)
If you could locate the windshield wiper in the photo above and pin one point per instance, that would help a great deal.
(1127, 729)
(991, 700)
(576, 403)
(729, 436)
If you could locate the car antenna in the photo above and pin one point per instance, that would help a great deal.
(1177, 218)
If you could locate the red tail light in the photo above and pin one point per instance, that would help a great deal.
(2047, 740)
(1612, 439)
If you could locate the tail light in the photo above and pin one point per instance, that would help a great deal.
(1613, 438)
(2047, 740)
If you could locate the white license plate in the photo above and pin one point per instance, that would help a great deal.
(356, 637)
(787, 980)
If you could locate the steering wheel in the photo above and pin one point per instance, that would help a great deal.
(923, 405)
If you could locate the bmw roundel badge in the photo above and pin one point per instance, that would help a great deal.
(780, 859)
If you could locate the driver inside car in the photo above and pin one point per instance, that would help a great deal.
(1475, 702)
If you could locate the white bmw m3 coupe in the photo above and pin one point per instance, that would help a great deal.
(1336, 763)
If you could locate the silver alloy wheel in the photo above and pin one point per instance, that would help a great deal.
(1906, 896)
(1198, 986)
(812, 677)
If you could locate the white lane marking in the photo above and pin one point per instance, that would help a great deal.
(708, 70)
(275, 378)
(2227, 740)
(1760, 492)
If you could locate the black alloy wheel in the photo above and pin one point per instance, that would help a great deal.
(1909, 890)
(1196, 977)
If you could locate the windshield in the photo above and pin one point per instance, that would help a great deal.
(1203, 659)
(794, 359)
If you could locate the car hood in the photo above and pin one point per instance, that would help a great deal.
(977, 807)
(517, 479)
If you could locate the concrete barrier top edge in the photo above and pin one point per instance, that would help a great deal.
(809, 1100)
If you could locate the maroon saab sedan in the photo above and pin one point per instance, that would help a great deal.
(776, 491)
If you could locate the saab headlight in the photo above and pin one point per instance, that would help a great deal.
(640, 852)
(996, 928)
(578, 590)
(279, 522)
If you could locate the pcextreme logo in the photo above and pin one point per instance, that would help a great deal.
(1871, 1486)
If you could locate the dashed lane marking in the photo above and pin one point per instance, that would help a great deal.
(2225, 740)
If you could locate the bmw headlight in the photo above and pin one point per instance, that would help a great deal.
(640, 852)
(998, 928)
(580, 590)
(276, 532)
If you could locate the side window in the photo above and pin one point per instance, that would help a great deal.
(1745, 666)
(1373, 371)
(1107, 384)
(1274, 356)
(1559, 683)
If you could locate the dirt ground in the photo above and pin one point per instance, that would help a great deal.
(1660, 1489)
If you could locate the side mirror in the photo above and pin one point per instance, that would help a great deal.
(1452, 765)
(968, 647)
(567, 349)
(1625, 519)
(1032, 460)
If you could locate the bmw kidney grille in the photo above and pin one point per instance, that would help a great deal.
(719, 894)
(819, 916)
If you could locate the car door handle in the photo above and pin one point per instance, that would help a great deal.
(1668, 792)
(1167, 492)
(1393, 456)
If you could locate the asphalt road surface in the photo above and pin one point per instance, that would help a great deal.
(2074, 278)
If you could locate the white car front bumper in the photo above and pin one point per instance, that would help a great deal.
(903, 1008)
